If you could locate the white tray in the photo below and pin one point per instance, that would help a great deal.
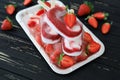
(22, 18)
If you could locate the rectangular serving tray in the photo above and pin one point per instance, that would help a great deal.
(22, 18)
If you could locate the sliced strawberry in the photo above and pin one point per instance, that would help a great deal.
(105, 28)
(10, 9)
(93, 47)
(48, 4)
(32, 23)
(6, 24)
(49, 49)
(87, 37)
(70, 19)
(40, 12)
(66, 61)
(82, 57)
(27, 2)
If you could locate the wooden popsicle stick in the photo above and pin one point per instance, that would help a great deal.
(43, 5)
(52, 3)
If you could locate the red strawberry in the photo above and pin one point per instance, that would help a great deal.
(93, 22)
(49, 49)
(54, 57)
(66, 61)
(93, 47)
(105, 28)
(87, 37)
(85, 8)
(6, 24)
(32, 23)
(48, 4)
(40, 12)
(10, 9)
(38, 39)
(82, 57)
(101, 15)
(27, 2)
(70, 19)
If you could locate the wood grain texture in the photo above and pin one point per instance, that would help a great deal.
(20, 60)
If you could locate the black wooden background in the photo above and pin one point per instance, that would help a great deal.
(20, 60)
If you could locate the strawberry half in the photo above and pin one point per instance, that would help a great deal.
(85, 8)
(10, 9)
(6, 24)
(27, 2)
(70, 19)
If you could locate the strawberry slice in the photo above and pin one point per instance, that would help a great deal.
(10, 9)
(27, 2)
(32, 23)
(48, 4)
(6, 24)
(70, 19)
(40, 12)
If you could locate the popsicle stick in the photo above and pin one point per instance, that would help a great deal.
(43, 5)
(52, 3)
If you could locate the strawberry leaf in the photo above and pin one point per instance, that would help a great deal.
(60, 58)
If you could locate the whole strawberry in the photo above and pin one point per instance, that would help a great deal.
(92, 21)
(101, 15)
(85, 8)
(105, 28)
(6, 24)
(10, 9)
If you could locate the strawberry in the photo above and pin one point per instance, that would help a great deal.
(70, 19)
(93, 47)
(32, 23)
(10, 9)
(6, 24)
(105, 28)
(81, 57)
(48, 4)
(40, 12)
(39, 40)
(101, 15)
(54, 57)
(87, 37)
(92, 21)
(66, 61)
(85, 8)
(27, 2)
(49, 48)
